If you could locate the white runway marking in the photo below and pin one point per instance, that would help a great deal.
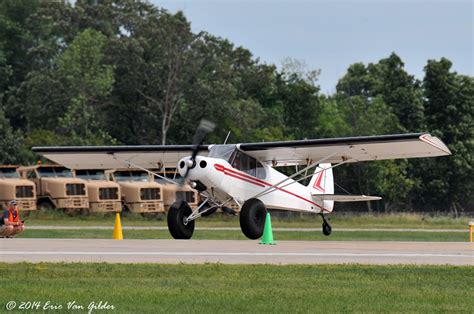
(233, 254)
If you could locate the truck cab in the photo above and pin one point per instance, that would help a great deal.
(12, 187)
(140, 193)
(173, 192)
(56, 187)
(104, 195)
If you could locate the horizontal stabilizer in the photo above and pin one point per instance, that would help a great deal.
(345, 198)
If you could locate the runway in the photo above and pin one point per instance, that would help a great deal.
(235, 252)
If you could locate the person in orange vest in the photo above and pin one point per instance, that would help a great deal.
(10, 223)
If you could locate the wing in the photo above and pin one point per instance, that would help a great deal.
(350, 149)
(113, 157)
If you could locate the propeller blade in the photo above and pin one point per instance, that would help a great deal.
(205, 127)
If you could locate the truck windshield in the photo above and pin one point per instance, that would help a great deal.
(169, 173)
(60, 172)
(131, 176)
(8, 173)
(91, 174)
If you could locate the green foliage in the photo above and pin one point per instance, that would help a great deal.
(449, 106)
(10, 142)
(88, 82)
(125, 71)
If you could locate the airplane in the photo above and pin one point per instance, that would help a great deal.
(247, 173)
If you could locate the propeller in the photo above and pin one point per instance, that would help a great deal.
(205, 127)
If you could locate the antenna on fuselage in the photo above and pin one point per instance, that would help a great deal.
(227, 137)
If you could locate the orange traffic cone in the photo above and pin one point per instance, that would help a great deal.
(118, 228)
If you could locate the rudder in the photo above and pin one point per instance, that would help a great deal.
(322, 182)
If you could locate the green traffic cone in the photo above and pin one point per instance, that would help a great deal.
(267, 232)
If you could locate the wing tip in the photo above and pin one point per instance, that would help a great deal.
(435, 142)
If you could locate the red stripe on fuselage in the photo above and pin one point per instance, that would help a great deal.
(247, 178)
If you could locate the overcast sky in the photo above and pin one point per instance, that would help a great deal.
(330, 35)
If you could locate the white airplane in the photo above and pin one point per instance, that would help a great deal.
(247, 173)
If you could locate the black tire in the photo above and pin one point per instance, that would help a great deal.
(45, 206)
(327, 229)
(178, 211)
(126, 212)
(252, 218)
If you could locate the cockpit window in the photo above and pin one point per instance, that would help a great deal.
(247, 164)
(222, 151)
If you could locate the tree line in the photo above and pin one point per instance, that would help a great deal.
(108, 72)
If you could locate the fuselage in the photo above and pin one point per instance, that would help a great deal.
(241, 178)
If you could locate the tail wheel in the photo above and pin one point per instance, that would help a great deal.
(178, 227)
(326, 229)
(252, 218)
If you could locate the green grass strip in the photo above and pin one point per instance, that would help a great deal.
(212, 288)
(237, 235)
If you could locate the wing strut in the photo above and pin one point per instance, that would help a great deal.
(129, 163)
(314, 164)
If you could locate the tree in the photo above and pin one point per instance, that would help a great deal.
(88, 82)
(449, 105)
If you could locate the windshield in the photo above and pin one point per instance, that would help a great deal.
(8, 173)
(222, 151)
(61, 172)
(91, 174)
(131, 176)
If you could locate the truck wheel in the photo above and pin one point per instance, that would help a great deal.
(45, 206)
(252, 218)
(178, 228)
(125, 211)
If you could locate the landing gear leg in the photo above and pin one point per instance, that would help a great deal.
(326, 226)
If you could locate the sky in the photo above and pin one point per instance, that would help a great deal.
(331, 35)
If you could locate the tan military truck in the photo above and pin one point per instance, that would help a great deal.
(173, 192)
(104, 195)
(140, 194)
(12, 187)
(56, 187)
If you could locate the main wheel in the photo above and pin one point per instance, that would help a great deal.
(252, 218)
(178, 228)
(326, 229)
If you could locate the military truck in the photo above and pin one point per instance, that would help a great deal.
(173, 192)
(12, 187)
(56, 187)
(140, 194)
(104, 195)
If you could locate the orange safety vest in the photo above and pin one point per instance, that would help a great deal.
(13, 218)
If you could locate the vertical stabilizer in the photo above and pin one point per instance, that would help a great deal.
(322, 182)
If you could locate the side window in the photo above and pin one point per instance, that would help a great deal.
(260, 171)
(247, 164)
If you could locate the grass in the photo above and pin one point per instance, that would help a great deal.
(211, 288)
(338, 220)
(237, 235)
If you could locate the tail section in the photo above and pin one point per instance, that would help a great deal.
(322, 182)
